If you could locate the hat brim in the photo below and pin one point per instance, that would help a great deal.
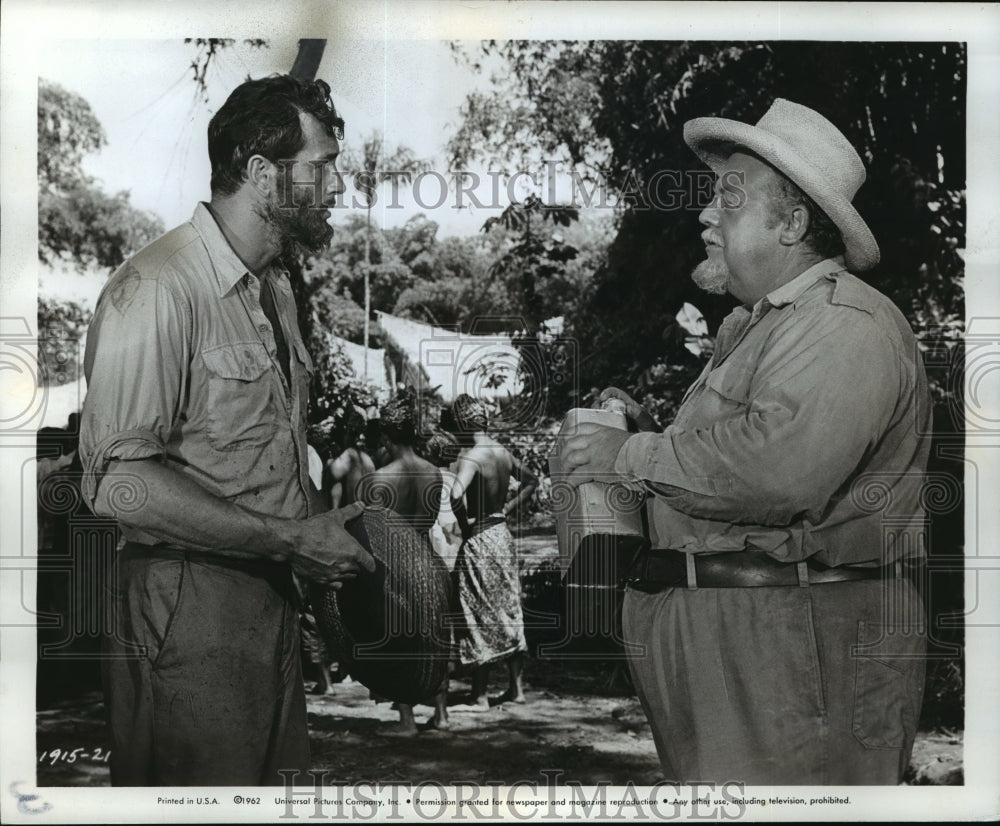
(714, 139)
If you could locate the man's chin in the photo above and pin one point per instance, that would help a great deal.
(306, 236)
(313, 246)
(711, 276)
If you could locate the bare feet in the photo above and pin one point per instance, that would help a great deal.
(439, 721)
(510, 696)
(406, 727)
(399, 730)
(321, 688)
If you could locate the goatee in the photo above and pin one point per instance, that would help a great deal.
(297, 230)
(711, 275)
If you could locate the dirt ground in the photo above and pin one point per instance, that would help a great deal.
(573, 723)
(565, 725)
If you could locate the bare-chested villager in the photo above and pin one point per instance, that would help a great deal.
(488, 582)
(342, 475)
(412, 487)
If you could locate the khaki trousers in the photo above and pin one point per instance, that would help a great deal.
(204, 681)
(780, 686)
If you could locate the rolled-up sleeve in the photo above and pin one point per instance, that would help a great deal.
(821, 397)
(136, 367)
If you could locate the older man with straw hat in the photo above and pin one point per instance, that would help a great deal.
(775, 637)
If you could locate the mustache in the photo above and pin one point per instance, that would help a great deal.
(300, 229)
(710, 237)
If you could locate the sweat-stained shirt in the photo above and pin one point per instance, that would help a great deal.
(182, 364)
(807, 435)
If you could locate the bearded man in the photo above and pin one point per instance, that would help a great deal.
(775, 637)
(193, 438)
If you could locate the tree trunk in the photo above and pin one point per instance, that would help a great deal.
(368, 285)
(307, 60)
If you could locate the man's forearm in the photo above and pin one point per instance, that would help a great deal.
(175, 509)
(461, 516)
(523, 495)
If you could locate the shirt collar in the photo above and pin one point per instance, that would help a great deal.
(791, 290)
(226, 263)
(742, 318)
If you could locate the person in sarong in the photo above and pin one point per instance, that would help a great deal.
(412, 487)
(486, 571)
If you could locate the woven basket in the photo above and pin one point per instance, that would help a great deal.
(390, 628)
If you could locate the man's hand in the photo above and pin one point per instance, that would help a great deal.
(633, 410)
(590, 454)
(325, 552)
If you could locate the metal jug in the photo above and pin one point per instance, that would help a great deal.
(600, 526)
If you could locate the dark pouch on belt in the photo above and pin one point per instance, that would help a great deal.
(604, 560)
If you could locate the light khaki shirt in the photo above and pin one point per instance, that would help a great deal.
(806, 435)
(181, 363)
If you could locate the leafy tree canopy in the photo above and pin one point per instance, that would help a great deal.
(77, 221)
(614, 111)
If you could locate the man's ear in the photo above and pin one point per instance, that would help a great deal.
(795, 225)
(260, 174)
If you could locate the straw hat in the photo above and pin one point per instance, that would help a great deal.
(810, 151)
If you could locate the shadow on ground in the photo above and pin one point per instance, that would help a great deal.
(579, 724)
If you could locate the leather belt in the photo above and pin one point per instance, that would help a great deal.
(656, 570)
(245, 563)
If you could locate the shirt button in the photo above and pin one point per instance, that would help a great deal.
(264, 328)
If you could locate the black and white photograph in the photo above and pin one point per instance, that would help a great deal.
(500, 411)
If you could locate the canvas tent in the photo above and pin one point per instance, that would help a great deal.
(448, 362)
(379, 370)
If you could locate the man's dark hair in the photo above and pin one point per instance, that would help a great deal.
(468, 414)
(321, 437)
(441, 449)
(261, 117)
(822, 235)
(372, 433)
(352, 427)
(399, 419)
(447, 421)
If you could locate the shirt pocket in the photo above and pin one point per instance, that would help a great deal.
(731, 382)
(304, 358)
(888, 684)
(241, 411)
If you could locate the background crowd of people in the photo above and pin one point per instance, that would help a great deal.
(451, 482)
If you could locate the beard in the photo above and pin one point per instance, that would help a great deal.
(712, 276)
(298, 230)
